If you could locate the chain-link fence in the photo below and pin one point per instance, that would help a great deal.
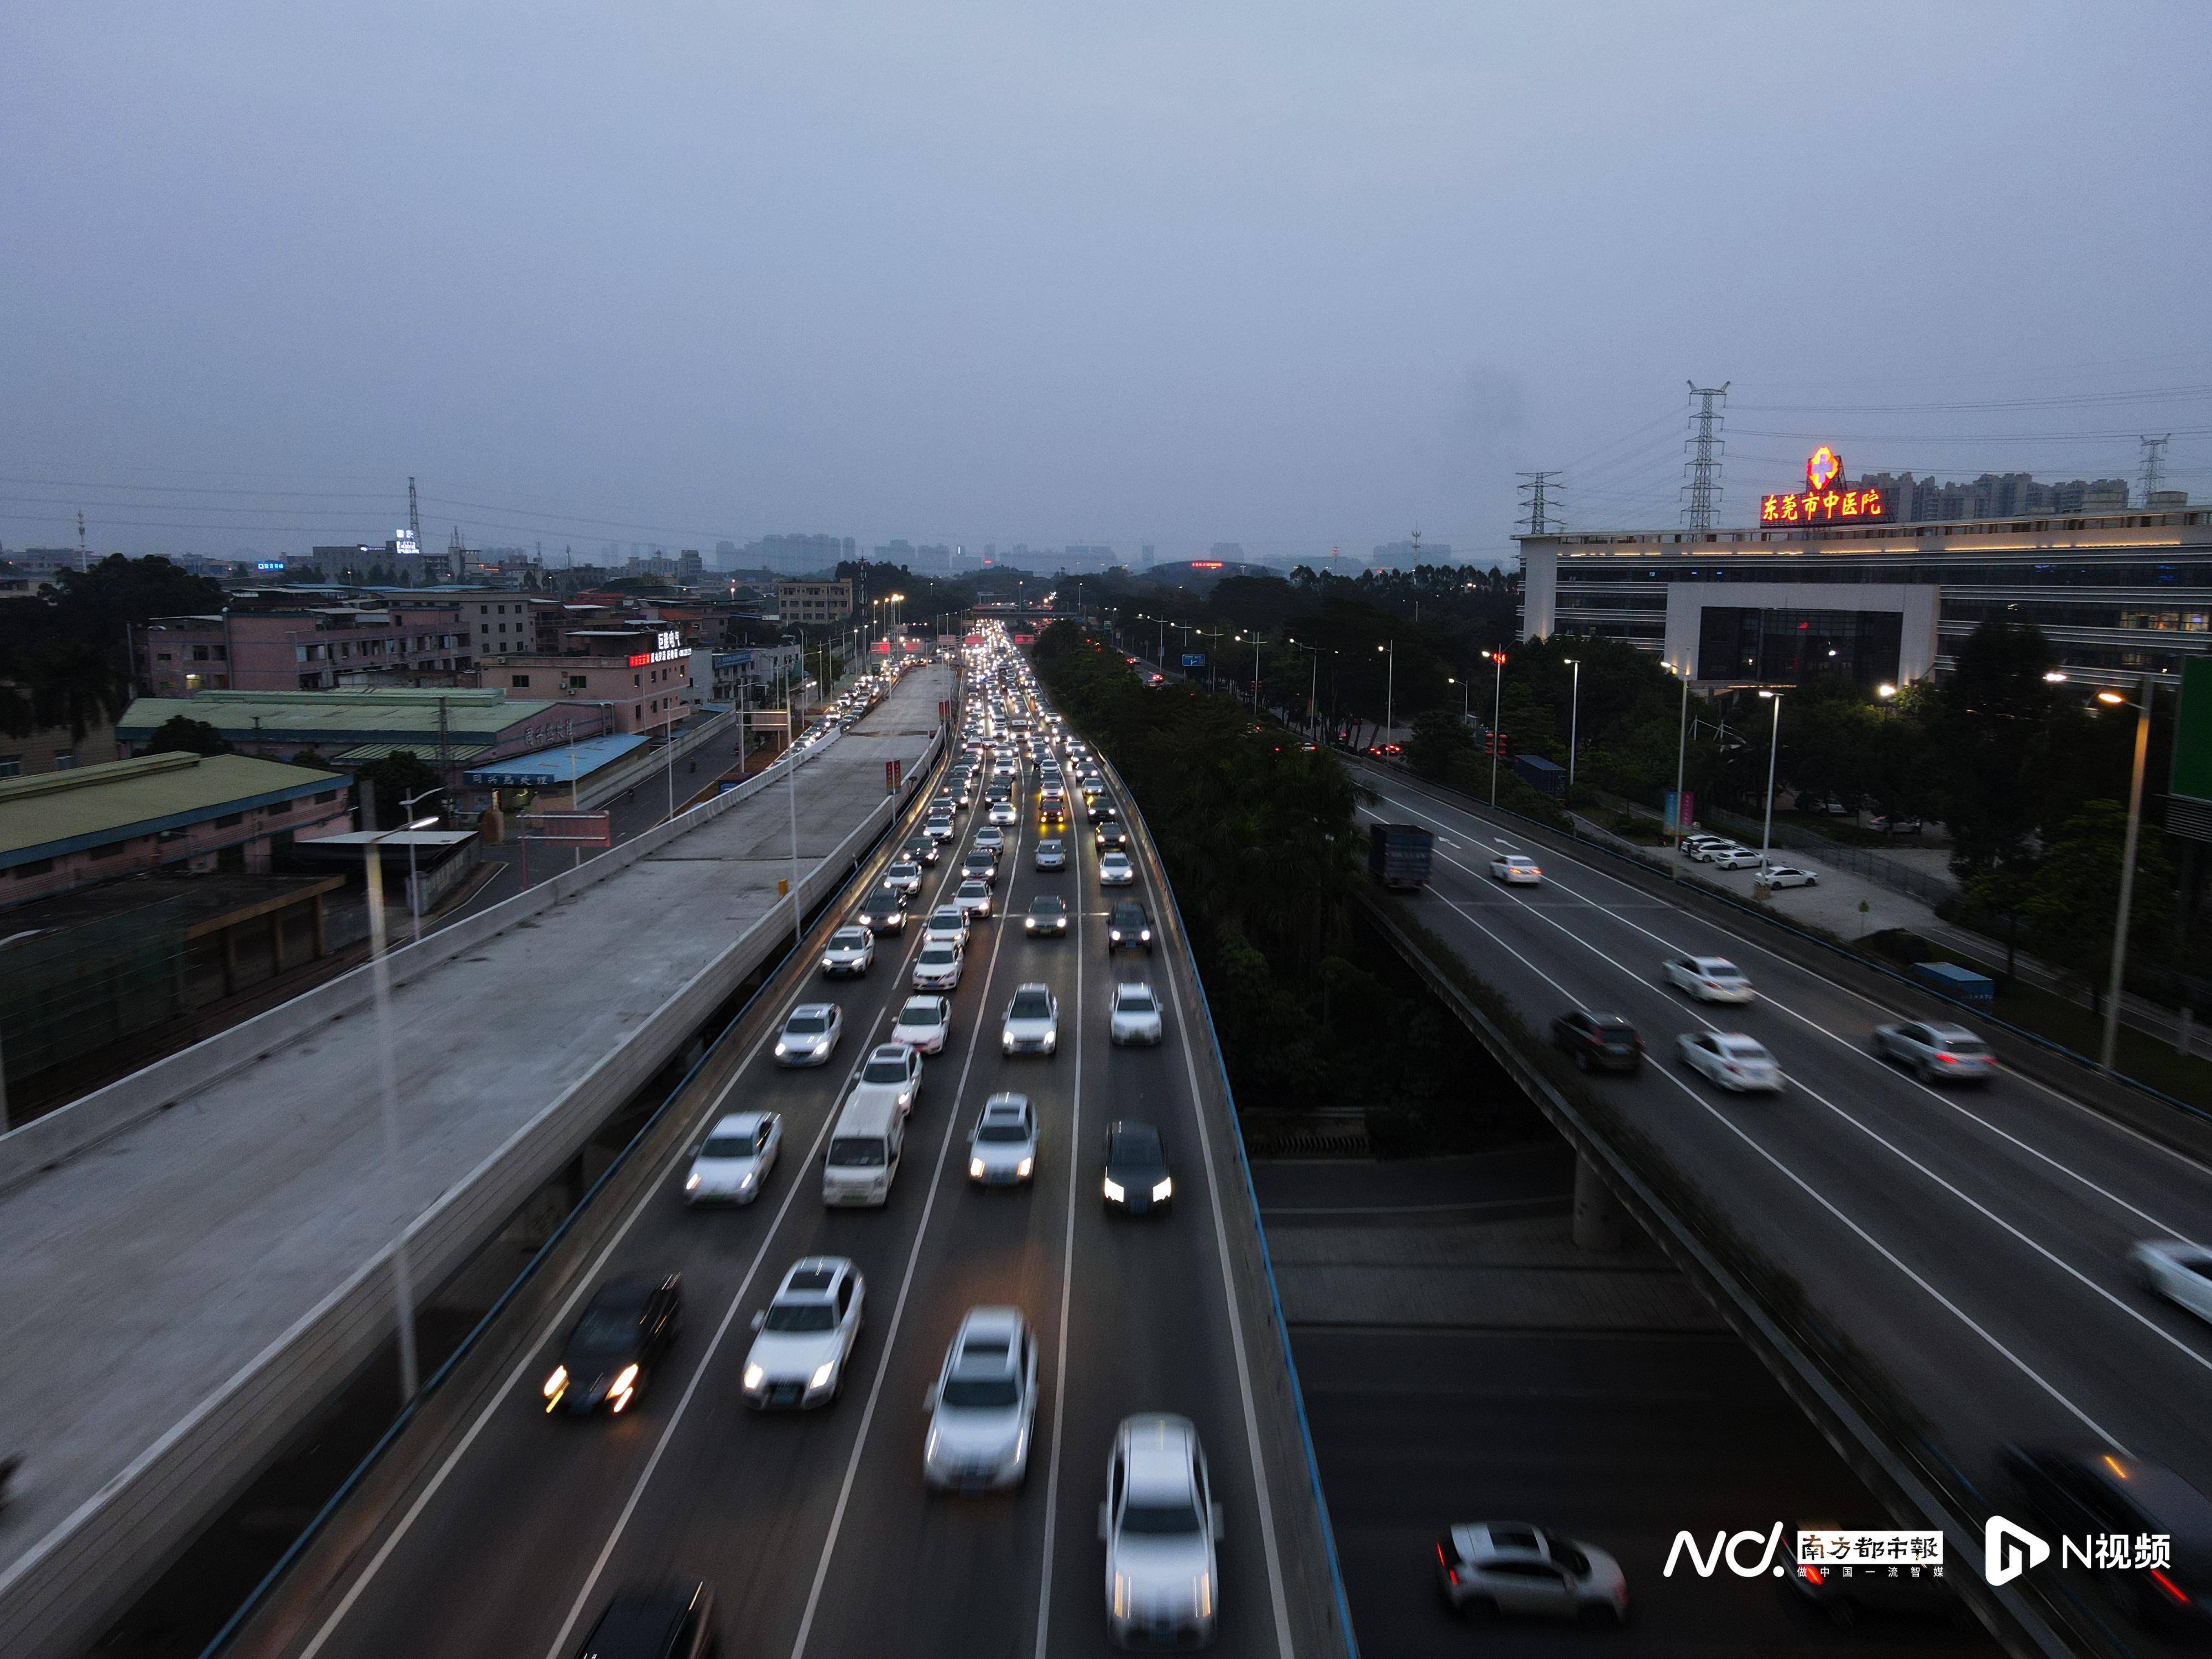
(65, 994)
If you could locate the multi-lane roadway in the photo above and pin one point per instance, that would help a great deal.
(815, 1529)
(1975, 1241)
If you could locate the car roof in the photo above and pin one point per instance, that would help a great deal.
(1708, 963)
(813, 1278)
(846, 935)
(625, 1294)
(992, 1324)
(824, 1009)
(1123, 988)
(640, 1622)
(1158, 1451)
(739, 1123)
(974, 882)
(928, 1005)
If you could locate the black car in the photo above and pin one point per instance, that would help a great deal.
(1849, 1592)
(2104, 1493)
(1103, 810)
(629, 1324)
(1604, 1042)
(921, 850)
(1137, 1179)
(1047, 915)
(1110, 838)
(885, 910)
(1128, 928)
(643, 1623)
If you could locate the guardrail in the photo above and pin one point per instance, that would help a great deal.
(638, 768)
(53, 1597)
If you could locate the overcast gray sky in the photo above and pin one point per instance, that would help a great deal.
(1164, 270)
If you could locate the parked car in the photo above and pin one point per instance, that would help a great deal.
(1601, 1041)
(1898, 826)
(1002, 1148)
(1733, 858)
(732, 1164)
(1791, 875)
(1162, 1528)
(983, 1405)
(614, 1346)
(1134, 1016)
(1709, 979)
(1730, 1059)
(805, 1336)
(1511, 1567)
(2179, 1272)
(1936, 1053)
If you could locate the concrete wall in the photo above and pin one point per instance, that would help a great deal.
(1915, 604)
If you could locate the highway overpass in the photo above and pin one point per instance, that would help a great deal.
(1973, 1243)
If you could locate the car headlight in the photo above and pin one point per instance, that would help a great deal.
(1160, 1194)
(822, 1374)
(1114, 934)
(755, 1376)
(692, 1185)
(782, 1049)
(1145, 936)
(1115, 1192)
(623, 1380)
(975, 1169)
(1022, 1170)
(1006, 1042)
(557, 1381)
(747, 1179)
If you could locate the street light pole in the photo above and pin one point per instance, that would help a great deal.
(1389, 696)
(1574, 719)
(1681, 825)
(1773, 750)
(1497, 711)
(2127, 879)
(414, 897)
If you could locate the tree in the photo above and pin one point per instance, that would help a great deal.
(1998, 723)
(2072, 901)
(1440, 739)
(64, 657)
(181, 734)
(394, 779)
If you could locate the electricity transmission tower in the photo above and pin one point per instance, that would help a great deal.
(1539, 519)
(414, 517)
(2154, 463)
(1706, 447)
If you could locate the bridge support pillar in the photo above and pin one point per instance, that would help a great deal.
(1600, 1222)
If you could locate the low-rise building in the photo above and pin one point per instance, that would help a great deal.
(638, 673)
(66, 829)
(303, 646)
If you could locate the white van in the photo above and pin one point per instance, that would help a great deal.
(864, 1149)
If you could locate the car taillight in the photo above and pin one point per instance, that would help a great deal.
(1450, 1572)
(1813, 1575)
(2169, 1587)
(1949, 1059)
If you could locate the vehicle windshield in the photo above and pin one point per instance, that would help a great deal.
(727, 1147)
(1048, 907)
(1713, 968)
(981, 1393)
(1011, 1131)
(917, 1017)
(806, 1024)
(1157, 1520)
(884, 1071)
(1135, 1147)
(1964, 1046)
(972, 890)
(801, 1316)
(604, 1330)
(857, 1151)
(939, 954)
(1032, 1005)
(850, 938)
(1136, 1002)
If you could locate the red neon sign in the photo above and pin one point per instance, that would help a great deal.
(1207, 564)
(1821, 501)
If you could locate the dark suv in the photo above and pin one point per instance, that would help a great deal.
(1604, 1042)
(610, 1356)
(1128, 927)
(654, 1624)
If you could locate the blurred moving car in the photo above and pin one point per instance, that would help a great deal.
(1709, 979)
(1848, 1591)
(654, 1622)
(810, 1034)
(1516, 871)
(982, 1405)
(2177, 1270)
(1936, 1053)
(1730, 1059)
(1162, 1528)
(732, 1164)
(613, 1348)
(1135, 1014)
(2105, 1494)
(1137, 1180)
(804, 1337)
(1605, 1042)
(1002, 1148)
(1511, 1567)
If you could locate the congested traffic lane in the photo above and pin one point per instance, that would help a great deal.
(815, 1529)
(1974, 1241)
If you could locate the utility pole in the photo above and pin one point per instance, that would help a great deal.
(2127, 879)
(414, 515)
(2154, 463)
(1706, 447)
(84, 559)
(1538, 518)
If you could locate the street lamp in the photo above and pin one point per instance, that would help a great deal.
(1681, 824)
(2113, 699)
(1773, 748)
(407, 805)
(1389, 696)
(1574, 719)
(403, 1288)
(1497, 710)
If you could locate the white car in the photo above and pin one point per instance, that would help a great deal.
(1032, 1022)
(810, 1034)
(937, 966)
(1729, 1058)
(849, 953)
(1162, 1528)
(1709, 979)
(946, 925)
(973, 897)
(1511, 1567)
(938, 826)
(805, 1336)
(982, 1405)
(891, 1069)
(1939, 1053)
(1515, 869)
(990, 839)
(907, 874)
(1789, 875)
(732, 1165)
(1051, 855)
(1002, 813)
(1136, 1014)
(1002, 1148)
(1733, 858)
(2179, 1272)
(923, 1024)
(1114, 870)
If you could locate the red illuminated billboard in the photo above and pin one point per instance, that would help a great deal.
(1821, 501)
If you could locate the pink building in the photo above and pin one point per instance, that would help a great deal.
(310, 649)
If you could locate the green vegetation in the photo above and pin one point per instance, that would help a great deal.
(181, 734)
(62, 657)
(1259, 837)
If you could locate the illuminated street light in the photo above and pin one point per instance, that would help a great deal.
(2056, 677)
(1773, 749)
(2110, 699)
(1884, 691)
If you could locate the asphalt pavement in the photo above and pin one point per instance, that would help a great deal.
(1974, 1242)
(815, 1528)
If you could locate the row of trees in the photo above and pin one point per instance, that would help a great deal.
(65, 656)
(1260, 838)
